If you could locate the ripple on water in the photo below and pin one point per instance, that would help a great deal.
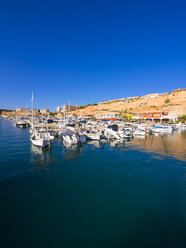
(98, 194)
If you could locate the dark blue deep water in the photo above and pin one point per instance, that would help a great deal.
(98, 195)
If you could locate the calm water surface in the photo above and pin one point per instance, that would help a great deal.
(98, 195)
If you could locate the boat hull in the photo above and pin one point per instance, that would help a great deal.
(40, 142)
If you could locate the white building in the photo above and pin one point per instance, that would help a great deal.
(58, 109)
(108, 116)
(44, 111)
(161, 116)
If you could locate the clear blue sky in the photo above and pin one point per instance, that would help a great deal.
(89, 51)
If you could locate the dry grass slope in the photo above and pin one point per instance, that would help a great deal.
(172, 103)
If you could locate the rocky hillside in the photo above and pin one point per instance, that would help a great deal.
(173, 103)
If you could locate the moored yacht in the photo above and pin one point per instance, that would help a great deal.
(92, 134)
(162, 129)
(111, 132)
(40, 139)
(70, 135)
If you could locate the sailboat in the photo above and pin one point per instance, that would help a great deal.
(38, 138)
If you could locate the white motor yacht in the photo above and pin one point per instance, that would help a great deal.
(92, 134)
(82, 137)
(40, 139)
(111, 132)
(70, 136)
(125, 133)
(162, 129)
(139, 132)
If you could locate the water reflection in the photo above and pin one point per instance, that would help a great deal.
(42, 157)
(95, 143)
(168, 144)
(139, 137)
(71, 151)
(120, 144)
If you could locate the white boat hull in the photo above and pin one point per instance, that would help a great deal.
(40, 142)
(138, 133)
(93, 136)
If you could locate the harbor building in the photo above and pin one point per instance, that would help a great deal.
(44, 111)
(155, 116)
(67, 107)
(36, 111)
(58, 109)
(108, 116)
(23, 110)
(27, 110)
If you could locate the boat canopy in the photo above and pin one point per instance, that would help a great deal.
(113, 127)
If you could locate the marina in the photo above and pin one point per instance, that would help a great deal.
(43, 130)
(92, 194)
(92, 124)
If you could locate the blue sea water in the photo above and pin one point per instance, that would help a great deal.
(96, 195)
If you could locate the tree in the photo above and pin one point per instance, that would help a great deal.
(182, 118)
(123, 115)
(52, 114)
(129, 117)
(167, 100)
(80, 107)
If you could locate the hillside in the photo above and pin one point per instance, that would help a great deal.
(173, 103)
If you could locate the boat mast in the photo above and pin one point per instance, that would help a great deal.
(47, 125)
(16, 115)
(68, 109)
(64, 117)
(26, 110)
(32, 100)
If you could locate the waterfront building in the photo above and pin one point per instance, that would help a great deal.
(108, 116)
(58, 109)
(23, 110)
(36, 111)
(27, 110)
(44, 111)
(19, 109)
(155, 116)
(86, 116)
(67, 107)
